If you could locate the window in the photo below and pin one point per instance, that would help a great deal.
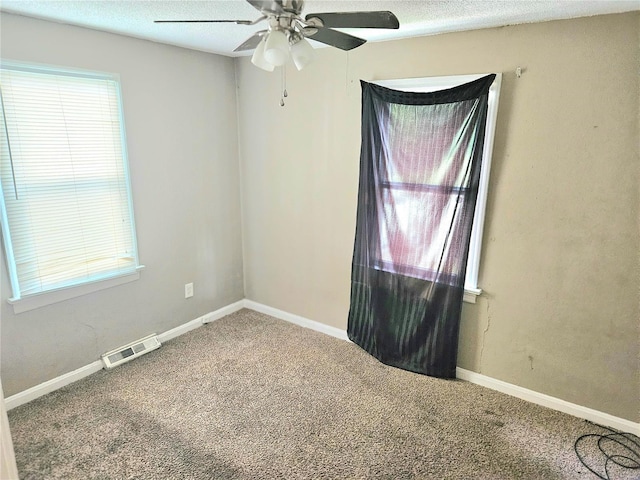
(419, 264)
(67, 217)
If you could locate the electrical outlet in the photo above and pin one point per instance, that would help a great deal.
(188, 290)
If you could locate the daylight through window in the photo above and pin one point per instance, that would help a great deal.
(405, 195)
(67, 217)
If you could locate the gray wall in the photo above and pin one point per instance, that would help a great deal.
(180, 115)
(560, 266)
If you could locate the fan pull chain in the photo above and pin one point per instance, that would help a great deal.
(284, 86)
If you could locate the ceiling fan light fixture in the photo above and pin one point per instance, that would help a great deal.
(258, 58)
(302, 53)
(276, 48)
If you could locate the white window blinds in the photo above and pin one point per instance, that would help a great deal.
(67, 217)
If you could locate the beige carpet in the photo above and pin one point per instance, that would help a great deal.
(253, 397)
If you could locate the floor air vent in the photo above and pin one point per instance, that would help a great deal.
(129, 352)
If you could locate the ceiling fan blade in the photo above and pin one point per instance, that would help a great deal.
(271, 6)
(341, 40)
(251, 42)
(379, 19)
(239, 22)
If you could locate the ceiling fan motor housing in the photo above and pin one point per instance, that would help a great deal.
(278, 6)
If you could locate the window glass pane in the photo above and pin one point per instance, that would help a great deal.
(402, 172)
(416, 137)
(414, 219)
(67, 218)
(424, 176)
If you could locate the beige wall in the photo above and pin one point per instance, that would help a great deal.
(560, 267)
(180, 115)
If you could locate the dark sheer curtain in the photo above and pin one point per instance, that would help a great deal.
(420, 164)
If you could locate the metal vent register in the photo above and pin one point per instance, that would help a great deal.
(130, 351)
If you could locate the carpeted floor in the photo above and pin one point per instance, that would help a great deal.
(253, 397)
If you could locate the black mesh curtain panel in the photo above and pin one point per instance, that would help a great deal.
(420, 164)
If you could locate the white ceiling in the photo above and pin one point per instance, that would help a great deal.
(417, 17)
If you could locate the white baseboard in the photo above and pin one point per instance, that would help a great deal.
(55, 383)
(180, 329)
(477, 378)
(298, 320)
(198, 322)
(549, 401)
(50, 385)
(223, 312)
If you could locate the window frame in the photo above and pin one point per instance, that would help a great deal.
(22, 303)
(430, 84)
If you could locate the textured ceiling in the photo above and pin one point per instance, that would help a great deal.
(417, 17)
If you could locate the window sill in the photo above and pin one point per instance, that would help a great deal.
(32, 302)
(470, 295)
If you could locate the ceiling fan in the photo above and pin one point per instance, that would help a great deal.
(287, 31)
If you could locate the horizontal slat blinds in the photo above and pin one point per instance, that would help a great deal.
(67, 216)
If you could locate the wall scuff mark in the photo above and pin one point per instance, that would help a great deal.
(484, 335)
